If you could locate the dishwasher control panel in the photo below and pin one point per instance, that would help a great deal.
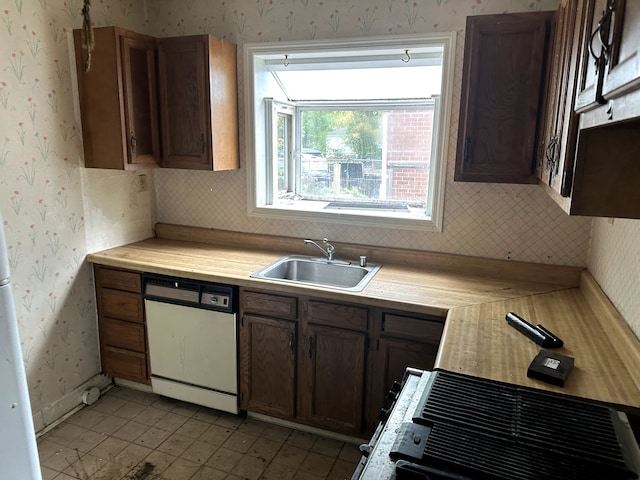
(193, 293)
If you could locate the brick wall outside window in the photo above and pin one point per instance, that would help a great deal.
(409, 152)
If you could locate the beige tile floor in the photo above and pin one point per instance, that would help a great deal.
(133, 435)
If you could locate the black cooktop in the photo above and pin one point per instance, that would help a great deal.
(471, 428)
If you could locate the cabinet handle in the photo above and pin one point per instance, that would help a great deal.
(132, 143)
(552, 155)
(551, 152)
(202, 144)
(310, 347)
(466, 153)
(291, 342)
(602, 31)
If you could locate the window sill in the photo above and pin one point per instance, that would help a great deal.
(316, 211)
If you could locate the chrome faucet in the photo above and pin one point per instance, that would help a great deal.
(328, 252)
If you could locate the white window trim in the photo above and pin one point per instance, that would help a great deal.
(256, 145)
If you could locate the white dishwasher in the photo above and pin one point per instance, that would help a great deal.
(192, 333)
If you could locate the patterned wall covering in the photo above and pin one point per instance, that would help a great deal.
(55, 211)
(499, 221)
(615, 264)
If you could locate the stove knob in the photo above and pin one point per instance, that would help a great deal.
(396, 387)
(383, 415)
(365, 449)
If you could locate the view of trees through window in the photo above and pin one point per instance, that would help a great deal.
(379, 156)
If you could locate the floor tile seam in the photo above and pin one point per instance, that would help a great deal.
(333, 462)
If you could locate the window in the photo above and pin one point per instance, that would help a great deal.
(349, 131)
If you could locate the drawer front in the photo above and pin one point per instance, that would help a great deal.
(121, 305)
(341, 316)
(421, 330)
(127, 335)
(124, 364)
(270, 305)
(118, 279)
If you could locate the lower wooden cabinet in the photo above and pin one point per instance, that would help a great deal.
(324, 363)
(333, 363)
(401, 340)
(121, 324)
(268, 365)
(303, 360)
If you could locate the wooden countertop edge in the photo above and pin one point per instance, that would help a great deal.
(615, 325)
(477, 341)
(424, 290)
(512, 270)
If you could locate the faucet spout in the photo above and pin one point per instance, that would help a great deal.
(328, 252)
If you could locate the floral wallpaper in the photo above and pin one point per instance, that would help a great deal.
(49, 223)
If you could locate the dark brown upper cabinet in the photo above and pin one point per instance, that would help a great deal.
(504, 69)
(610, 62)
(198, 103)
(589, 164)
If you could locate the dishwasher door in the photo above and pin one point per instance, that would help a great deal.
(193, 354)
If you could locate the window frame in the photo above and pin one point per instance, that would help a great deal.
(260, 181)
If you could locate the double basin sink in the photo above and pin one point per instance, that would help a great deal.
(316, 271)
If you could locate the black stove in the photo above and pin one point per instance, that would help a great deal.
(451, 426)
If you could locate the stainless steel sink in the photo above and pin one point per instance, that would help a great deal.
(300, 269)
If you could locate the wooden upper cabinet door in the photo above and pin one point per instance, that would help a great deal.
(502, 91)
(140, 100)
(118, 100)
(610, 62)
(590, 76)
(623, 72)
(559, 141)
(198, 103)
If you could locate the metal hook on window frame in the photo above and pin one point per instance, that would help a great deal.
(407, 57)
(286, 60)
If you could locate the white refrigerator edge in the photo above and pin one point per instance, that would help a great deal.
(18, 447)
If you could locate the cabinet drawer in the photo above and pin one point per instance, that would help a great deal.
(418, 329)
(118, 279)
(125, 364)
(121, 305)
(269, 305)
(127, 335)
(341, 316)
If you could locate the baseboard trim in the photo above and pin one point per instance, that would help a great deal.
(56, 412)
(305, 428)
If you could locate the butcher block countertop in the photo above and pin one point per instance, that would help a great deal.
(473, 294)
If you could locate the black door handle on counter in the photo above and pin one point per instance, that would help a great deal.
(538, 334)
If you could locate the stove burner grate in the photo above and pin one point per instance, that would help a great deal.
(514, 432)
